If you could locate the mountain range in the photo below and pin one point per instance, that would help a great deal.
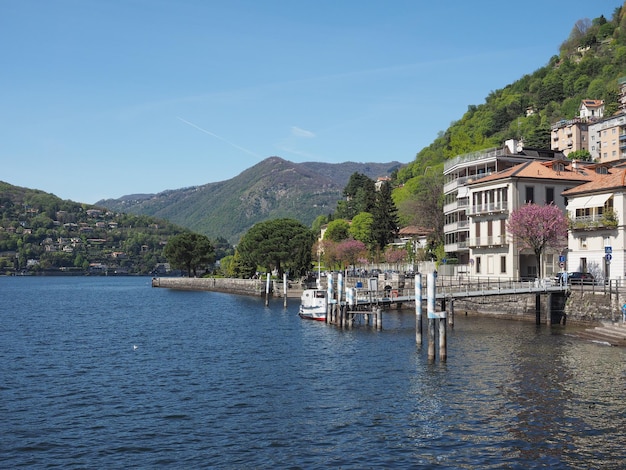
(273, 188)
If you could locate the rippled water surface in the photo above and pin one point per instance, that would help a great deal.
(111, 373)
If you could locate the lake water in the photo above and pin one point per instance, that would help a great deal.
(111, 373)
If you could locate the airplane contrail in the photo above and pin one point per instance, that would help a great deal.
(217, 137)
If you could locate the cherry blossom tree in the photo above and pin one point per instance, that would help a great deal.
(350, 250)
(396, 256)
(538, 227)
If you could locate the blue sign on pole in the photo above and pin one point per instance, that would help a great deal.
(608, 249)
(608, 256)
(561, 259)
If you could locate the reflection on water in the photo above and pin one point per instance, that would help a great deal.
(222, 381)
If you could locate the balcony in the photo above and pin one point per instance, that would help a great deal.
(608, 220)
(461, 225)
(489, 241)
(490, 208)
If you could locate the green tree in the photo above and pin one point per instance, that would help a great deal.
(359, 196)
(278, 244)
(337, 230)
(385, 226)
(361, 228)
(189, 251)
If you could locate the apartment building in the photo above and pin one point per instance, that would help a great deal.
(597, 235)
(570, 135)
(459, 172)
(607, 139)
(493, 251)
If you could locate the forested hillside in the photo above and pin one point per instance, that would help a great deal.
(40, 232)
(588, 66)
(274, 188)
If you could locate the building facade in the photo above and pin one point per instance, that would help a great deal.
(597, 238)
(459, 173)
(493, 250)
(607, 139)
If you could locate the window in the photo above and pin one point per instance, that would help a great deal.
(502, 264)
(582, 243)
(530, 194)
(549, 195)
(478, 265)
(602, 170)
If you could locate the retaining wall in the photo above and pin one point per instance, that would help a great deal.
(231, 286)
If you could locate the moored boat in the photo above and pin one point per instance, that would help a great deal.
(313, 304)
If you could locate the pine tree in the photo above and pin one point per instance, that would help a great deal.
(385, 226)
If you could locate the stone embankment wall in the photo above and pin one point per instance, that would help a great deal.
(516, 307)
(588, 306)
(231, 286)
(578, 306)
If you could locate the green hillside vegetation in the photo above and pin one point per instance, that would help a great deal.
(589, 65)
(40, 232)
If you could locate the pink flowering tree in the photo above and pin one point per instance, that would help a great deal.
(349, 251)
(538, 227)
(396, 256)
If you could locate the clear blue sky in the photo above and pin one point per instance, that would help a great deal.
(103, 98)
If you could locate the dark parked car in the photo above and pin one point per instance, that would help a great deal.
(575, 278)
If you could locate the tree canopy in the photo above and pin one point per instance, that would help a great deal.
(278, 244)
(189, 251)
(537, 227)
(385, 215)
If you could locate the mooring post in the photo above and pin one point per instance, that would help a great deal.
(443, 342)
(451, 313)
(430, 309)
(379, 318)
(418, 308)
(330, 294)
(285, 290)
(267, 290)
(339, 296)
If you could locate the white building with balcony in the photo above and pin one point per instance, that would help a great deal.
(597, 238)
(493, 251)
(462, 170)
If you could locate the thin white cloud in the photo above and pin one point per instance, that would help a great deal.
(232, 144)
(298, 132)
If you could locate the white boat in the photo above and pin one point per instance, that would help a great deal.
(313, 304)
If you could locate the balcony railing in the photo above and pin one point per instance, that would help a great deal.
(592, 222)
(495, 240)
(490, 207)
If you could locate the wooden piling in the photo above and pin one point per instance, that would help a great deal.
(285, 290)
(431, 339)
(267, 290)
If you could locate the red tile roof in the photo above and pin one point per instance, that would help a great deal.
(616, 179)
(543, 170)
